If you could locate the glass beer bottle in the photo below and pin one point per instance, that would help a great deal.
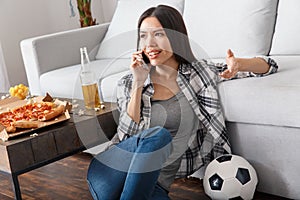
(88, 82)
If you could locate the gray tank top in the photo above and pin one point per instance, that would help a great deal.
(166, 113)
(177, 116)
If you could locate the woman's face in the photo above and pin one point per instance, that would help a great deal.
(155, 43)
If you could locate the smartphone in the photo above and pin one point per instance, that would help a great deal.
(145, 58)
(145, 61)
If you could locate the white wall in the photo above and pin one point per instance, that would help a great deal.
(25, 19)
(4, 82)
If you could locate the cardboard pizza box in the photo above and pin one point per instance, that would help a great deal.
(13, 102)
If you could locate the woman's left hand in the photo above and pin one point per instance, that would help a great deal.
(232, 64)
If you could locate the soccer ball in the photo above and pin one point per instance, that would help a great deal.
(230, 177)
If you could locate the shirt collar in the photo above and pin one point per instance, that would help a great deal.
(184, 69)
(147, 81)
(148, 87)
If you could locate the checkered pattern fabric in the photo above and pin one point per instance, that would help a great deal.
(198, 81)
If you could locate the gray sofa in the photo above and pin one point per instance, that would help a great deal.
(262, 114)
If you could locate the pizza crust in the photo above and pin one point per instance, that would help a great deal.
(53, 113)
(11, 129)
(26, 124)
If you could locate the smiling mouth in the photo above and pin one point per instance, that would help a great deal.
(153, 54)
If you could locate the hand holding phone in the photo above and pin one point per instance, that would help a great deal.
(144, 65)
(139, 67)
(140, 56)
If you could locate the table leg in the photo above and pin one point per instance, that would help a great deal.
(16, 186)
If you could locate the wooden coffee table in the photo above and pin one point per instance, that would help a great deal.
(25, 153)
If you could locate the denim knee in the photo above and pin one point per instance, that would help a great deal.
(92, 191)
(159, 134)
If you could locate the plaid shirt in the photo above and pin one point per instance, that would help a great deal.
(198, 81)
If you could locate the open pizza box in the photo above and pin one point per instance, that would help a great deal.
(13, 102)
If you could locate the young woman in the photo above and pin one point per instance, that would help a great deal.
(171, 123)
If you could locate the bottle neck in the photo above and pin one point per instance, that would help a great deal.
(85, 61)
(86, 74)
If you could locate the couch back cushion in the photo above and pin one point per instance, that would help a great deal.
(121, 37)
(245, 26)
(286, 38)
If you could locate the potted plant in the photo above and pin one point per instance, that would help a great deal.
(85, 14)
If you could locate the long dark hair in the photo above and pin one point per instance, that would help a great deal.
(172, 21)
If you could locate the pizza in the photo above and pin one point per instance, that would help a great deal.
(29, 115)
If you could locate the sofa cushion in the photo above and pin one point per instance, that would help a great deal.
(271, 100)
(244, 26)
(286, 37)
(109, 94)
(65, 82)
(120, 39)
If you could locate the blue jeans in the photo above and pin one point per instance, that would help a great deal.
(130, 169)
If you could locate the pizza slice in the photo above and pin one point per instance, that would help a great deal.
(6, 120)
(52, 113)
(30, 115)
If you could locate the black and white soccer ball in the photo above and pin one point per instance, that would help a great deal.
(230, 177)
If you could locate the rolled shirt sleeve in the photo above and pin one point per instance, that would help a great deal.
(272, 64)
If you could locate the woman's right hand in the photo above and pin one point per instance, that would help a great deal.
(233, 65)
(140, 72)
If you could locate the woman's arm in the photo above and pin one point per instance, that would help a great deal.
(127, 126)
(254, 65)
(140, 75)
(134, 105)
(129, 97)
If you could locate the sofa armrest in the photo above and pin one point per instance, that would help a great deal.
(49, 52)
